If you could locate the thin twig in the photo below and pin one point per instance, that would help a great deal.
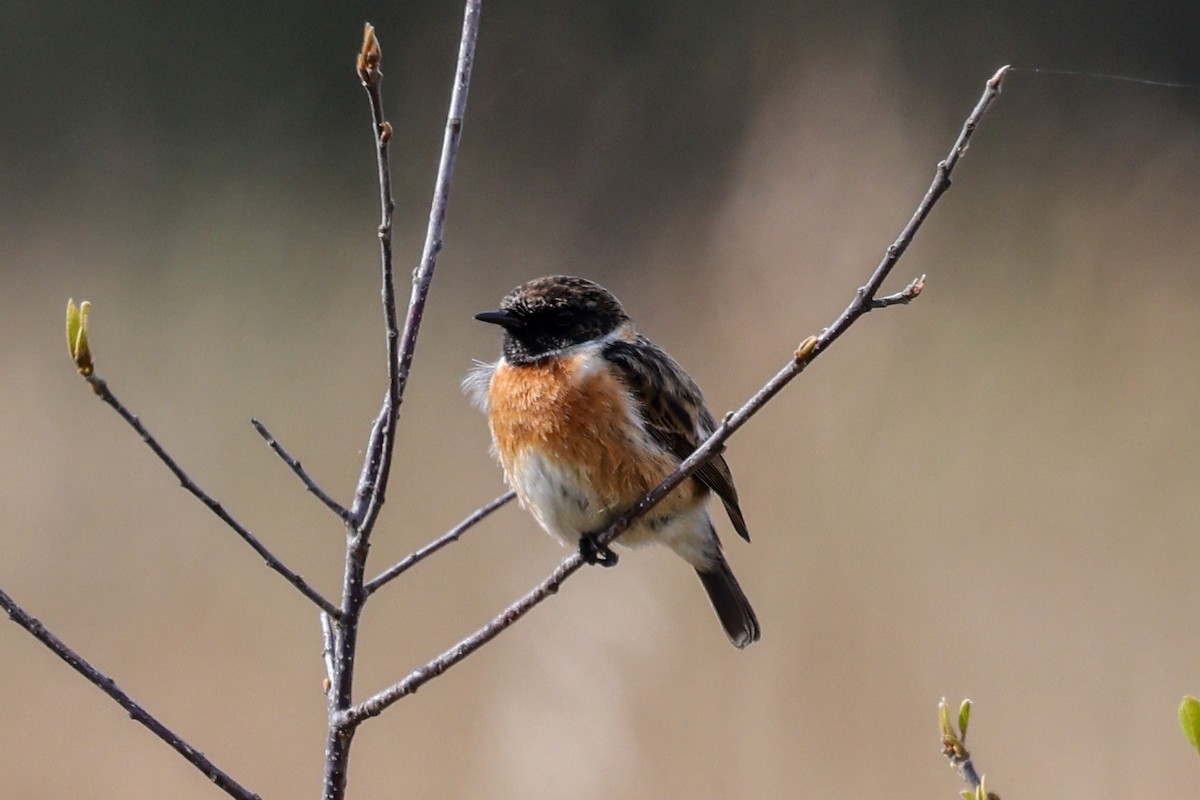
(298, 468)
(902, 297)
(423, 275)
(812, 347)
(376, 462)
(452, 535)
(380, 444)
(136, 711)
(370, 492)
(100, 387)
(378, 458)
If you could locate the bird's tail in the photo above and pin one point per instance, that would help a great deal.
(730, 603)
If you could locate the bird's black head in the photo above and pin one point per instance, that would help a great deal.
(550, 314)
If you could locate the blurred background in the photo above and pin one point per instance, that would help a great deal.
(991, 493)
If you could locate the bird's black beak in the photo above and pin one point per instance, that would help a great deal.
(502, 318)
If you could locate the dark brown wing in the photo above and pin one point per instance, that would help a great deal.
(674, 413)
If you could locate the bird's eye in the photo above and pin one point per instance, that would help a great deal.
(564, 317)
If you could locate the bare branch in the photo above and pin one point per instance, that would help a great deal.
(371, 497)
(100, 387)
(864, 300)
(373, 480)
(452, 535)
(301, 473)
(441, 189)
(136, 712)
(377, 462)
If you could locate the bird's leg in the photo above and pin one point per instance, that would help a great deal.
(595, 553)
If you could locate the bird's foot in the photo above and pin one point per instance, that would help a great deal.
(594, 553)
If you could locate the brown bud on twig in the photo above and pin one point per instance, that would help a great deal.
(369, 57)
(806, 348)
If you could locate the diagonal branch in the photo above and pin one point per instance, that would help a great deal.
(100, 387)
(136, 712)
(375, 705)
(452, 535)
(298, 468)
(863, 302)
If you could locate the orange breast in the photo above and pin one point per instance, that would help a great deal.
(581, 419)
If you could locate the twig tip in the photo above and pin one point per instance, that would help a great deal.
(369, 56)
(77, 336)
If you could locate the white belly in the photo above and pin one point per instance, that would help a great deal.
(558, 499)
(565, 508)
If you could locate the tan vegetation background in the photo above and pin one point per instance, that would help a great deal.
(992, 492)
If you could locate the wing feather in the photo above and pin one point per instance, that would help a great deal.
(674, 414)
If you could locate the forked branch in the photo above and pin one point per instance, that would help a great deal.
(100, 387)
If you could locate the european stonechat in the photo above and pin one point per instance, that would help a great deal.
(587, 415)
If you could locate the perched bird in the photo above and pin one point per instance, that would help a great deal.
(587, 415)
